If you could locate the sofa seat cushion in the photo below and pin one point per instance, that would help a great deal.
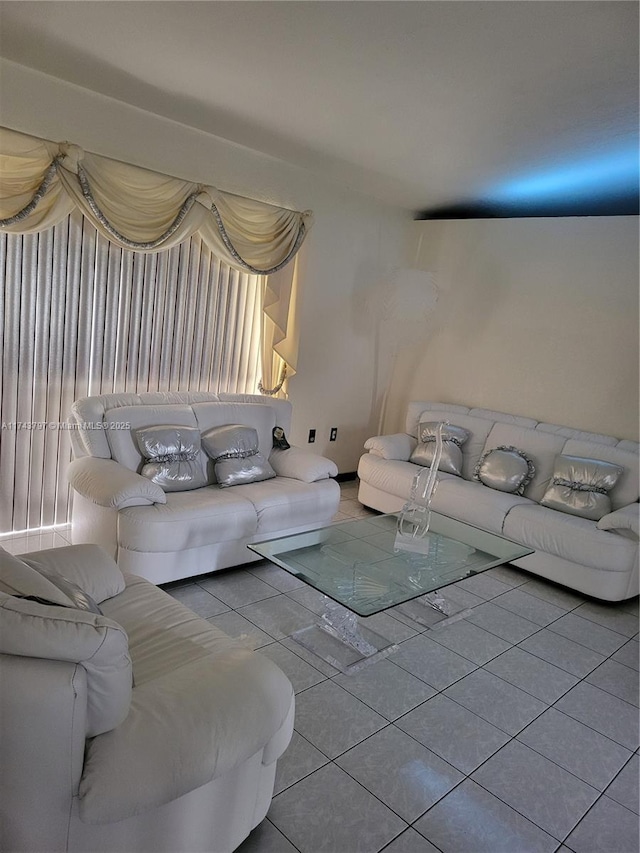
(163, 633)
(475, 503)
(283, 503)
(570, 537)
(202, 704)
(188, 519)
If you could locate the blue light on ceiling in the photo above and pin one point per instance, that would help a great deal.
(606, 176)
(604, 185)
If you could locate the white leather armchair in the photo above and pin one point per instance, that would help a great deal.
(143, 728)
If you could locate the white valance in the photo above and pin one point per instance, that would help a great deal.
(41, 182)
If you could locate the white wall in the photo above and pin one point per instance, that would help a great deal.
(354, 240)
(537, 317)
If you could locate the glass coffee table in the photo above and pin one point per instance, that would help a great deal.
(365, 566)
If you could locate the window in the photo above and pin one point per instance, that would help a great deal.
(80, 316)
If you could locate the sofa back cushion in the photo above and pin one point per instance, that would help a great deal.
(122, 423)
(88, 415)
(631, 446)
(580, 434)
(627, 487)
(540, 447)
(503, 417)
(422, 411)
(89, 566)
(21, 579)
(282, 408)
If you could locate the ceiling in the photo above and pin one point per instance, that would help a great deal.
(439, 106)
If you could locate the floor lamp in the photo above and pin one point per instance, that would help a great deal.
(400, 306)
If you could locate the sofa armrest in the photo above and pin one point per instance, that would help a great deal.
(100, 645)
(43, 706)
(625, 521)
(200, 718)
(299, 464)
(107, 483)
(89, 566)
(399, 446)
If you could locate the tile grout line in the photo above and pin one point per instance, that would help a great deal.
(511, 739)
(426, 631)
(277, 828)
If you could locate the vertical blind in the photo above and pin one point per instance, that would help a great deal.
(80, 316)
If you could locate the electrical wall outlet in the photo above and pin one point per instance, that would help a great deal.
(333, 434)
(312, 436)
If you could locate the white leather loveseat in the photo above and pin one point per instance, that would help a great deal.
(180, 758)
(598, 558)
(167, 536)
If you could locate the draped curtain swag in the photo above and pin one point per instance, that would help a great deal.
(41, 182)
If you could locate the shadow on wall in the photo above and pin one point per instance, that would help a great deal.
(395, 311)
(464, 317)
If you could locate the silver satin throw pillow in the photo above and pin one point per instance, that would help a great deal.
(235, 454)
(581, 486)
(453, 437)
(172, 457)
(506, 469)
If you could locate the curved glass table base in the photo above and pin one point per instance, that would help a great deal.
(340, 638)
(433, 610)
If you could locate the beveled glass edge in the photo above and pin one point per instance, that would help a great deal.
(499, 561)
(519, 550)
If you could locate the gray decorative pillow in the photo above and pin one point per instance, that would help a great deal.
(453, 439)
(172, 457)
(235, 454)
(506, 469)
(581, 486)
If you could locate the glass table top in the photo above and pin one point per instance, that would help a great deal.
(365, 565)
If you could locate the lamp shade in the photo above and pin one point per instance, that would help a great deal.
(400, 305)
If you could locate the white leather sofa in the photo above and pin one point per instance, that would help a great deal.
(597, 558)
(167, 536)
(181, 759)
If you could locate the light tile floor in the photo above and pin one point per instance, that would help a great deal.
(16, 543)
(515, 730)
